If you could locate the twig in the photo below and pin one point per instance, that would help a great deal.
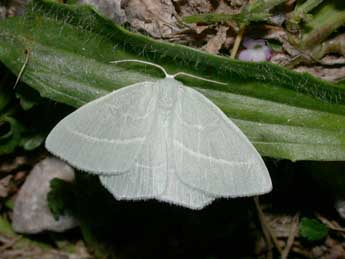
(237, 42)
(331, 225)
(20, 254)
(269, 235)
(4, 239)
(291, 238)
(264, 229)
(9, 244)
(302, 252)
(22, 69)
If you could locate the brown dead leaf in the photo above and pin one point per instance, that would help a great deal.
(16, 248)
(230, 7)
(5, 186)
(280, 59)
(186, 8)
(335, 249)
(200, 28)
(280, 224)
(334, 45)
(12, 164)
(330, 60)
(330, 74)
(215, 43)
(267, 31)
(229, 42)
(155, 17)
(20, 176)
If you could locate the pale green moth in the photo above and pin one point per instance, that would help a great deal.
(161, 140)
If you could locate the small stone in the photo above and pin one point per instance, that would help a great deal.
(31, 213)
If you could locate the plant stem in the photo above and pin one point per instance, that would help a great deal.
(329, 18)
(300, 11)
(269, 235)
(237, 42)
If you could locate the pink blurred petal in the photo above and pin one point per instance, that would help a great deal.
(256, 55)
(268, 52)
(253, 44)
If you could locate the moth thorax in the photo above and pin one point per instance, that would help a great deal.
(167, 93)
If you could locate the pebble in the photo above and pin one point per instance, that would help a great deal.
(31, 213)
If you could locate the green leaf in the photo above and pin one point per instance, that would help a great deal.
(275, 45)
(87, 206)
(285, 114)
(72, 1)
(10, 134)
(255, 11)
(312, 230)
(329, 17)
(33, 141)
(5, 96)
(28, 98)
(56, 196)
(6, 86)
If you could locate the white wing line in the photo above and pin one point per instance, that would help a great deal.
(127, 115)
(210, 158)
(110, 141)
(150, 167)
(199, 138)
(139, 117)
(196, 126)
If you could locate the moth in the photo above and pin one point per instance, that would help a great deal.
(161, 140)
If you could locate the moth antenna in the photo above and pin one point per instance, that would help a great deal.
(164, 71)
(198, 77)
(143, 62)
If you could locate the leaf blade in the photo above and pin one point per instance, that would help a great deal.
(285, 114)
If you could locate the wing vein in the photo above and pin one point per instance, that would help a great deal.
(216, 160)
(110, 141)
